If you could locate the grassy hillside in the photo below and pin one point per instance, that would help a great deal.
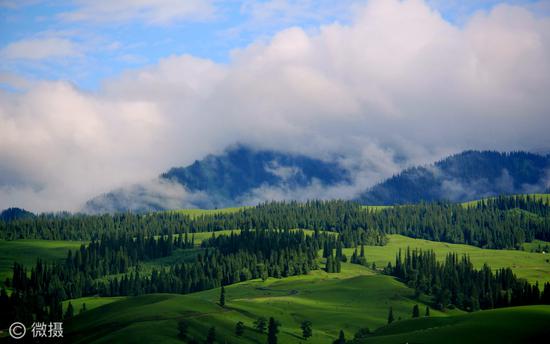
(27, 251)
(527, 324)
(91, 302)
(529, 265)
(350, 300)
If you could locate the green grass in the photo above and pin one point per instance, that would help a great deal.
(352, 299)
(27, 251)
(528, 324)
(529, 265)
(534, 245)
(201, 236)
(91, 302)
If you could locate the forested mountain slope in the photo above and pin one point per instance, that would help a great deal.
(463, 177)
(228, 179)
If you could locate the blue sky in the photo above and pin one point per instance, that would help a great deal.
(85, 41)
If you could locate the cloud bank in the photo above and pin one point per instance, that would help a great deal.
(400, 85)
(40, 48)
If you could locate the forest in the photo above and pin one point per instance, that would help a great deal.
(502, 222)
(270, 241)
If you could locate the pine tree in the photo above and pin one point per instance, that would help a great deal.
(341, 338)
(272, 330)
(211, 336)
(183, 327)
(329, 267)
(338, 266)
(222, 296)
(354, 259)
(390, 316)
(427, 311)
(70, 311)
(239, 329)
(306, 329)
(416, 311)
(261, 324)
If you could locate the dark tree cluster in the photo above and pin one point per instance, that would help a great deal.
(359, 258)
(340, 216)
(455, 282)
(224, 260)
(502, 222)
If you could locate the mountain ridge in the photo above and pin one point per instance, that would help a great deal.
(240, 173)
(464, 176)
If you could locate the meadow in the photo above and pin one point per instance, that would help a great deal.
(529, 265)
(527, 324)
(27, 251)
(526, 264)
(355, 298)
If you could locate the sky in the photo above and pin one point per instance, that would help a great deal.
(98, 94)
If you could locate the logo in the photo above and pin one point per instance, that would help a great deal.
(17, 330)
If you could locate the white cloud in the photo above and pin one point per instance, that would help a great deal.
(157, 194)
(13, 4)
(40, 48)
(154, 12)
(398, 86)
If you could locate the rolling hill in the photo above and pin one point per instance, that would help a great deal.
(350, 300)
(527, 324)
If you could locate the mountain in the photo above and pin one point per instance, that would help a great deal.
(242, 169)
(463, 177)
(11, 214)
(242, 175)
(227, 179)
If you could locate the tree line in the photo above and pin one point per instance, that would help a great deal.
(502, 222)
(38, 293)
(455, 282)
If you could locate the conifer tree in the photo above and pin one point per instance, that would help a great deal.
(306, 329)
(239, 329)
(390, 316)
(416, 311)
(261, 324)
(427, 311)
(183, 327)
(329, 266)
(272, 330)
(211, 336)
(341, 338)
(222, 296)
(70, 311)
